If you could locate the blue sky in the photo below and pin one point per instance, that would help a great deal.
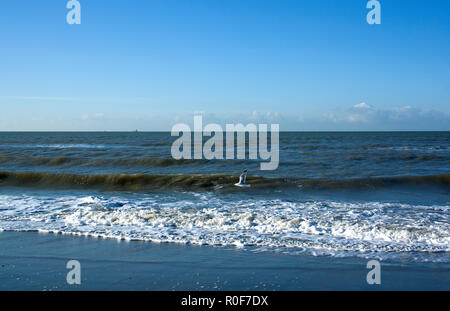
(307, 65)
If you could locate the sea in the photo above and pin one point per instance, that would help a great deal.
(383, 195)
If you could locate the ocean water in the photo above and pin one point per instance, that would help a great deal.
(376, 195)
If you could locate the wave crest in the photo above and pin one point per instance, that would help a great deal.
(205, 182)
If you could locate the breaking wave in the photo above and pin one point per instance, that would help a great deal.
(202, 182)
(317, 227)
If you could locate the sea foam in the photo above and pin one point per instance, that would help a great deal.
(328, 228)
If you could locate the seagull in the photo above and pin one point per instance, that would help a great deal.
(242, 179)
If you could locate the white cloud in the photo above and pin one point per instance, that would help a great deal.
(359, 117)
(362, 105)
(363, 116)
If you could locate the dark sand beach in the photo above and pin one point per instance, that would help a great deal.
(36, 261)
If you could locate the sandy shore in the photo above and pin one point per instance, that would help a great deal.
(37, 261)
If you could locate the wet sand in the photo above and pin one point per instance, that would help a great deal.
(37, 261)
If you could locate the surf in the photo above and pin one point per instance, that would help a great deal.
(207, 182)
(318, 227)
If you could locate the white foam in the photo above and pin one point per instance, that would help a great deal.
(317, 227)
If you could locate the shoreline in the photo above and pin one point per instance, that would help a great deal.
(37, 261)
